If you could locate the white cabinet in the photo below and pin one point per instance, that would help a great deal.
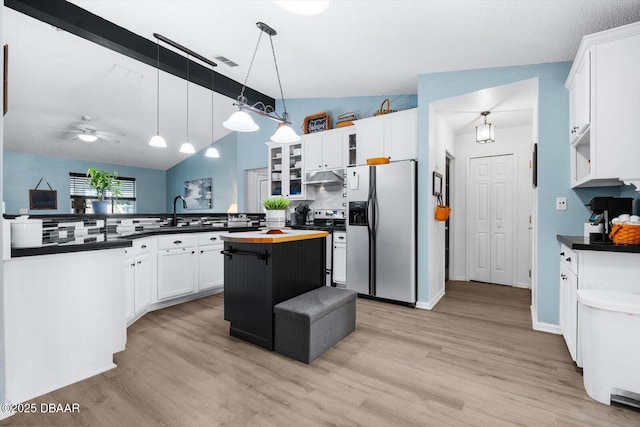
(286, 170)
(128, 280)
(139, 277)
(324, 150)
(393, 135)
(568, 312)
(340, 257)
(210, 261)
(177, 265)
(603, 87)
(587, 269)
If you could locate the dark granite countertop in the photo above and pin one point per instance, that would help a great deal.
(114, 241)
(579, 243)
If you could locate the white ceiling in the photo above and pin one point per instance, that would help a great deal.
(355, 48)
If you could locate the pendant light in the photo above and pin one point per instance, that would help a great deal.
(187, 147)
(241, 121)
(157, 140)
(212, 151)
(485, 131)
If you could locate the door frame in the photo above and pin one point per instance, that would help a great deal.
(252, 201)
(514, 211)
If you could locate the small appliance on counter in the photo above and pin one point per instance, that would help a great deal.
(25, 232)
(604, 209)
(299, 215)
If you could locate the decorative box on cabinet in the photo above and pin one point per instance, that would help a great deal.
(393, 135)
(603, 87)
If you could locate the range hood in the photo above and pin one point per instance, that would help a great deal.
(325, 177)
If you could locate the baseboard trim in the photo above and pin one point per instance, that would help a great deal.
(430, 304)
(543, 327)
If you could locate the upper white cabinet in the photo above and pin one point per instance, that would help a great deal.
(325, 150)
(393, 135)
(286, 170)
(605, 107)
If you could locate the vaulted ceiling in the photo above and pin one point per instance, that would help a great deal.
(354, 48)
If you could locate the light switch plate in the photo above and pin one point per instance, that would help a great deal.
(561, 203)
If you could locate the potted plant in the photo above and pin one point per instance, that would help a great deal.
(276, 209)
(103, 182)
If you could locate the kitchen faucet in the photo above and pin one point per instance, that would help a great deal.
(175, 216)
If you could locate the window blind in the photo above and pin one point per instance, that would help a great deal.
(79, 187)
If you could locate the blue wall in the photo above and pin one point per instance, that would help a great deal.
(22, 172)
(553, 161)
(222, 170)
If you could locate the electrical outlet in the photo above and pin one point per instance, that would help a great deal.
(24, 211)
(561, 203)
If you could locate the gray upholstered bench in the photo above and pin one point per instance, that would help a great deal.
(308, 325)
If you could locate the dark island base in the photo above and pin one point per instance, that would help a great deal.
(258, 276)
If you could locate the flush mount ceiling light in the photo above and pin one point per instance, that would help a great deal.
(485, 131)
(157, 140)
(241, 121)
(212, 151)
(304, 7)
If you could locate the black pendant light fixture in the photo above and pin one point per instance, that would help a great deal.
(212, 151)
(241, 121)
(157, 140)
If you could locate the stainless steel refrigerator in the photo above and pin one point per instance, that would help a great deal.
(381, 231)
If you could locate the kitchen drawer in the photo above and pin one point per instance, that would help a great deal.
(176, 241)
(142, 246)
(209, 239)
(339, 237)
(569, 258)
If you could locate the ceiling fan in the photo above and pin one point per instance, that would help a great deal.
(87, 132)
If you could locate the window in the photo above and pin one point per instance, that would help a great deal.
(82, 195)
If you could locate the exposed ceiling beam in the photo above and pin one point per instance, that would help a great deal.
(75, 20)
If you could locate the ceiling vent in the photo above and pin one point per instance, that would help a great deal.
(226, 61)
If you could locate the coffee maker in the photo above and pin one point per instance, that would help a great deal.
(604, 209)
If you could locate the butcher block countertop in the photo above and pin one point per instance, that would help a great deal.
(261, 236)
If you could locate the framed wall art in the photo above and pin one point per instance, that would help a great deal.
(198, 193)
(437, 184)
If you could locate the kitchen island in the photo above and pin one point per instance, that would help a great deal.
(262, 270)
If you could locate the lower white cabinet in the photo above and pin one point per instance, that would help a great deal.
(340, 257)
(142, 282)
(569, 309)
(210, 261)
(177, 266)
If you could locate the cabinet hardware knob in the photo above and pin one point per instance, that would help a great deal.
(177, 242)
(201, 251)
(568, 259)
(213, 238)
(144, 246)
(561, 253)
(139, 262)
(133, 264)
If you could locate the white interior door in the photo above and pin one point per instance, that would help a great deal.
(490, 201)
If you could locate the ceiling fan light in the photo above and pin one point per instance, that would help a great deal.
(87, 137)
(158, 141)
(187, 148)
(285, 135)
(212, 152)
(241, 121)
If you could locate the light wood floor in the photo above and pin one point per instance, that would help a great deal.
(473, 360)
